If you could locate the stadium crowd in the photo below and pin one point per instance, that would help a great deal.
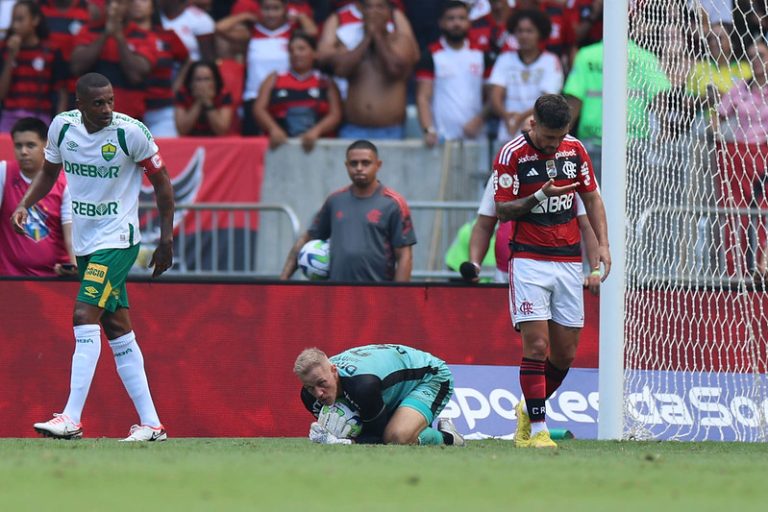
(261, 84)
(350, 68)
(286, 68)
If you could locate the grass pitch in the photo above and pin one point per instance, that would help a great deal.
(296, 475)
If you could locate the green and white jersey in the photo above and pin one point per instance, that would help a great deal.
(104, 178)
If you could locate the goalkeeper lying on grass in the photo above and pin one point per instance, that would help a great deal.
(386, 394)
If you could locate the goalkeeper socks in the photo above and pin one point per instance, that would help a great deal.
(432, 436)
(87, 350)
(130, 367)
(534, 386)
(554, 376)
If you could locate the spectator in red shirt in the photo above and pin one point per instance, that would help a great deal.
(173, 58)
(301, 102)
(66, 18)
(203, 107)
(121, 51)
(264, 38)
(45, 249)
(587, 20)
(490, 31)
(29, 68)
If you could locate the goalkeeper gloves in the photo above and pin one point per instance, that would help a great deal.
(335, 421)
(318, 434)
(470, 271)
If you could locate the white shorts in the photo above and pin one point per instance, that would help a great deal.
(546, 290)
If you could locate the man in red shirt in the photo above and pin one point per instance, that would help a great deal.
(122, 52)
(536, 176)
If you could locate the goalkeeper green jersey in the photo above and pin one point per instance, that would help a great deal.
(375, 379)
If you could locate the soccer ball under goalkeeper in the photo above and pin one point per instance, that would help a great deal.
(340, 420)
(314, 259)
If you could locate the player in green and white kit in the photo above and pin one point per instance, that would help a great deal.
(104, 155)
(398, 391)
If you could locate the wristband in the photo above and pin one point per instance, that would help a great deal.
(595, 272)
(540, 196)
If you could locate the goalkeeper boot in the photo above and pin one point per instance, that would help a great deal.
(541, 439)
(523, 430)
(446, 427)
(60, 427)
(146, 433)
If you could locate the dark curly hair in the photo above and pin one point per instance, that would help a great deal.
(539, 19)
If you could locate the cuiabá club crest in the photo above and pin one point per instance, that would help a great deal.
(108, 151)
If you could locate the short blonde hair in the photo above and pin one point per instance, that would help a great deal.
(308, 359)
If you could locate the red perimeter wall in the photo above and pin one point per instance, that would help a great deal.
(219, 356)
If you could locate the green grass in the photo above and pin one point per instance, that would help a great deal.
(296, 475)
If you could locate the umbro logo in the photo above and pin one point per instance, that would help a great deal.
(72, 146)
(532, 172)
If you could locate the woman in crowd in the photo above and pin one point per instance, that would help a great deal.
(518, 78)
(29, 69)
(301, 102)
(266, 37)
(203, 107)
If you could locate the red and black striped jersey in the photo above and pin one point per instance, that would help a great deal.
(129, 98)
(171, 55)
(563, 37)
(489, 35)
(202, 128)
(291, 90)
(550, 230)
(34, 78)
(65, 24)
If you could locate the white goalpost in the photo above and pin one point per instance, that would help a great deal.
(684, 314)
(611, 376)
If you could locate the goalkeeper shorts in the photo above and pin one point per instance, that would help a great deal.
(432, 394)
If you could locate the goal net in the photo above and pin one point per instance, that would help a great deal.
(696, 327)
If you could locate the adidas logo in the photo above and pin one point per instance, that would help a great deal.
(532, 172)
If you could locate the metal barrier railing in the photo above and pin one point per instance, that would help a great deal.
(436, 234)
(202, 252)
(214, 252)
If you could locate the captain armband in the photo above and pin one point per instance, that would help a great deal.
(153, 164)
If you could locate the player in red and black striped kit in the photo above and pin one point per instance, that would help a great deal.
(536, 178)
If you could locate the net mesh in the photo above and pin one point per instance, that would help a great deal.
(697, 151)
